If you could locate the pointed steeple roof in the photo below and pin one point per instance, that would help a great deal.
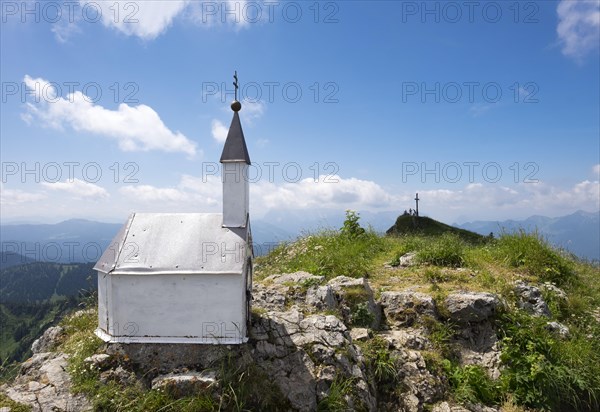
(235, 149)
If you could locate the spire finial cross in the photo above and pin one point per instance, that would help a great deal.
(235, 83)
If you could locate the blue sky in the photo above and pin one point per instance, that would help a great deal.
(490, 110)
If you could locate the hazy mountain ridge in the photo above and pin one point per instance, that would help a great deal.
(70, 241)
(42, 281)
(578, 232)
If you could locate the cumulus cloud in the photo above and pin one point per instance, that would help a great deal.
(252, 110)
(490, 201)
(578, 27)
(135, 128)
(233, 13)
(476, 200)
(149, 19)
(219, 131)
(205, 193)
(327, 192)
(13, 197)
(79, 189)
(146, 19)
(148, 193)
(191, 194)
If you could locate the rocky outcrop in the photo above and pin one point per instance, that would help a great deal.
(44, 384)
(475, 339)
(186, 384)
(48, 341)
(467, 307)
(355, 301)
(306, 336)
(561, 330)
(404, 308)
(530, 299)
(408, 259)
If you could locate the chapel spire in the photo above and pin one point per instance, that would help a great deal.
(235, 149)
(234, 171)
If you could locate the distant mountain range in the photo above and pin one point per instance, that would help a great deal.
(579, 233)
(75, 240)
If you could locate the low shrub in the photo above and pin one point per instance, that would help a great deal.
(532, 253)
(471, 384)
(445, 250)
(545, 372)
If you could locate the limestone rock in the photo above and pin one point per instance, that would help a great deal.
(187, 384)
(408, 259)
(296, 277)
(320, 298)
(558, 328)
(558, 292)
(465, 307)
(119, 375)
(276, 292)
(446, 407)
(343, 282)
(302, 356)
(99, 361)
(48, 341)
(356, 301)
(44, 384)
(359, 334)
(530, 299)
(402, 309)
(408, 338)
(269, 298)
(422, 386)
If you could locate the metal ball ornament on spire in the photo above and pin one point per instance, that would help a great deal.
(236, 106)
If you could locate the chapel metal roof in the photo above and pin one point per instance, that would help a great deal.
(163, 243)
(235, 149)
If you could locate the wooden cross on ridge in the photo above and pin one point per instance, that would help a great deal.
(417, 201)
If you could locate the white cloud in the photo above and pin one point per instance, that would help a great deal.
(12, 197)
(491, 201)
(262, 142)
(234, 13)
(191, 194)
(327, 192)
(148, 193)
(596, 170)
(252, 110)
(578, 27)
(476, 200)
(219, 131)
(146, 19)
(135, 128)
(479, 109)
(64, 29)
(205, 193)
(79, 188)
